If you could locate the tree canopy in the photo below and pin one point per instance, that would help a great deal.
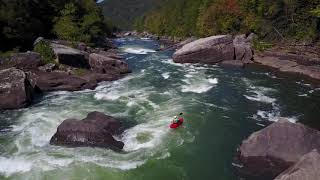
(292, 20)
(22, 21)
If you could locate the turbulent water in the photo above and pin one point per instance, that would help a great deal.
(221, 106)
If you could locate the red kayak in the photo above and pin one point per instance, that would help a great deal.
(176, 125)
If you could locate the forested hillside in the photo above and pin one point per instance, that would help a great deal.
(22, 22)
(122, 13)
(279, 19)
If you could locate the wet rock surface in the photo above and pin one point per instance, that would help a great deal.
(96, 130)
(275, 148)
(15, 89)
(307, 168)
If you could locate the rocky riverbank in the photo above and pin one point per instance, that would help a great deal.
(23, 75)
(283, 151)
(237, 51)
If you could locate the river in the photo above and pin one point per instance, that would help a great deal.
(221, 108)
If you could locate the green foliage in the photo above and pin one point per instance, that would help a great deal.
(261, 45)
(22, 21)
(123, 13)
(46, 52)
(6, 54)
(290, 20)
(80, 21)
(80, 72)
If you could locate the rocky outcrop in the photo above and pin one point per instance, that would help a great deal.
(101, 63)
(96, 130)
(58, 81)
(24, 61)
(15, 89)
(290, 64)
(242, 49)
(216, 49)
(307, 168)
(48, 67)
(70, 56)
(209, 50)
(272, 150)
(232, 63)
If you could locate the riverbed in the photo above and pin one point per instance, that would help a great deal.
(221, 108)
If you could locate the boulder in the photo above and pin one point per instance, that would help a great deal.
(15, 90)
(48, 67)
(307, 168)
(70, 56)
(58, 81)
(208, 50)
(96, 130)
(275, 148)
(38, 40)
(242, 49)
(103, 64)
(23, 61)
(127, 34)
(111, 53)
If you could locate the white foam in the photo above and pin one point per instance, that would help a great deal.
(14, 165)
(273, 115)
(165, 75)
(260, 98)
(213, 81)
(171, 62)
(146, 39)
(155, 133)
(197, 83)
(259, 93)
(137, 50)
(196, 88)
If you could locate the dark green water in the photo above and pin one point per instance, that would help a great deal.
(221, 106)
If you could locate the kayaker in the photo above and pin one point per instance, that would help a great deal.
(175, 120)
(178, 119)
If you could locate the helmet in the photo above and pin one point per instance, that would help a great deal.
(175, 117)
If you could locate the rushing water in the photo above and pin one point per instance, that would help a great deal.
(221, 106)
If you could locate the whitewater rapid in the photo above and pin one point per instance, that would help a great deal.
(145, 102)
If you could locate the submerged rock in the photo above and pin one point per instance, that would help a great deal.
(15, 89)
(272, 150)
(208, 50)
(96, 130)
(307, 168)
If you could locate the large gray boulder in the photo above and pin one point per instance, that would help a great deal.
(58, 81)
(242, 49)
(101, 63)
(96, 130)
(15, 90)
(275, 148)
(70, 56)
(23, 61)
(307, 168)
(208, 50)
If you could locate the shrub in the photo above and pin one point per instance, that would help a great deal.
(46, 52)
